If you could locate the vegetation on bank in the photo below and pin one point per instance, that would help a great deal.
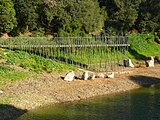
(50, 18)
(143, 45)
(11, 63)
(8, 75)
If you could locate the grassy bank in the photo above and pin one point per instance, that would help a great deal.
(86, 52)
(18, 65)
(142, 46)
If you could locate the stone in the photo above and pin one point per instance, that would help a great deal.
(85, 75)
(128, 63)
(92, 76)
(156, 59)
(1, 92)
(150, 62)
(110, 75)
(69, 76)
(100, 75)
(125, 63)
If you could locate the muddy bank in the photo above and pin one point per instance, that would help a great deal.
(47, 89)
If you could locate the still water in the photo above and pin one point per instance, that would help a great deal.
(142, 104)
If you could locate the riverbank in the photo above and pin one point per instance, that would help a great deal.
(48, 89)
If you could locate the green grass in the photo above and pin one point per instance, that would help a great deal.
(31, 62)
(10, 75)
(34, 62)
(142, 46)
(12, 78)
(83, 56)
(4, 70)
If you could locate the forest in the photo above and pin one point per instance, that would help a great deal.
(79, 17)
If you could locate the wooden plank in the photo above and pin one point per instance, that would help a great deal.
(63, 46)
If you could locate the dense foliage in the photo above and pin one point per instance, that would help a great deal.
(79, 16)
(7, 16)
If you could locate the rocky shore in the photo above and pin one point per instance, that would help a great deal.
(47, 89)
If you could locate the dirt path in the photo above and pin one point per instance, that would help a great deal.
(46, 89)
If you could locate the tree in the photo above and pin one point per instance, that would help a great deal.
(122, 14)
(88, 14)
(49, 15)
(149, 16)
(7, 16)
(84, 15)
(26, 14)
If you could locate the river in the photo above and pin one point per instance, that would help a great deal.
(141, 104)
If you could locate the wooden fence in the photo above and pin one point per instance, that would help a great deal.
(96, 53)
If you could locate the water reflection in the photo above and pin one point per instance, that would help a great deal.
(143, 104)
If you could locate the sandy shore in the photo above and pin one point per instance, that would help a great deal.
(33, 93)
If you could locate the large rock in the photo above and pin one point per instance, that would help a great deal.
(85, 75)
(1, 92)
(128, 63)
(156, 59)
(92, 76)
(150, 62)
(100, 75)
(110, 75)
(69, 76)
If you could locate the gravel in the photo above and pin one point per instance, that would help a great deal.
(35, 92)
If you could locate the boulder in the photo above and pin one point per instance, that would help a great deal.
(149, 62)
(1, 92)
(156, 59)
(92, 76)
(69, 76)
(110, 75)
(128, 63)
(85, 75)
(100, 75)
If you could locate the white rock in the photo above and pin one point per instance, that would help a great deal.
(150, 63)
(1, 92)
(128, 63)
(69, 76)
(100, 75)
(110, 75)
(85, 75)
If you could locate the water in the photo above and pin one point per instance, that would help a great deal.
(142, 104)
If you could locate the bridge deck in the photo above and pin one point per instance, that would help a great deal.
(63, 46)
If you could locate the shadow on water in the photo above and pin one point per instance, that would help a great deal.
(8, 112)
(144, 81)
